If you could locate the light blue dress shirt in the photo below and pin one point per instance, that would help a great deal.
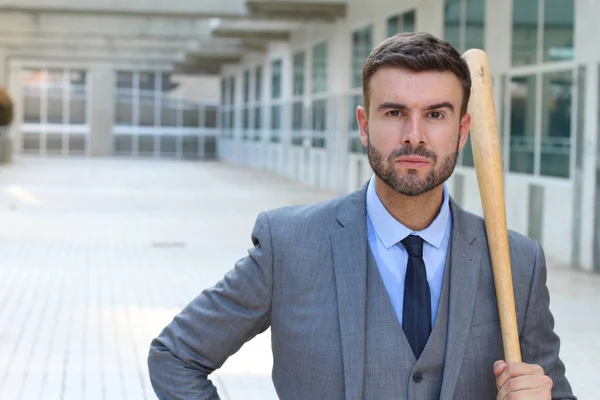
(385, 233)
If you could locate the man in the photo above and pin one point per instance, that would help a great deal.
(386, 293)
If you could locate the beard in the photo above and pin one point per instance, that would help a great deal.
(411, 184)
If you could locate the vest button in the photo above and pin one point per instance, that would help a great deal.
(417, 377)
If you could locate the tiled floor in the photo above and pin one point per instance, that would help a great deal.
(98, 255)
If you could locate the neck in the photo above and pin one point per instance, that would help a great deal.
(414, 212)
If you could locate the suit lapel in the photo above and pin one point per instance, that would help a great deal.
(349, 246)
(465, 263)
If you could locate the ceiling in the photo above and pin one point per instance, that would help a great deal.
(188, 36)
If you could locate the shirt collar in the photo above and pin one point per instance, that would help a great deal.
(391, 231)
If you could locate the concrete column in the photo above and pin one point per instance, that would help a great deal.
(3, 69)
(498, 35)
(430, 17)
(587, 53)
(101, 112)
(588, 187)
(340, 70)
(7, 134)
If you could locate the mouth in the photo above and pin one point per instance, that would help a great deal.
(412, 162)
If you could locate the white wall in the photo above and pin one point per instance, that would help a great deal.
(197, 88)
(3, 70)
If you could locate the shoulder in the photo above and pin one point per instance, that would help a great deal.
(523, 249)
(321, 213)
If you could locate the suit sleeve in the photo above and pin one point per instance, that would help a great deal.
(539, 343)
(215, 325)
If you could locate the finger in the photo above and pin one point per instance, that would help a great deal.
(499, 367)
(513, 370)
(520, 384)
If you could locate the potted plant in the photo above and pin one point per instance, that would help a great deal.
(6, 118)
(6, 109)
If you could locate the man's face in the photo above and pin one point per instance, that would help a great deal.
(414, 131)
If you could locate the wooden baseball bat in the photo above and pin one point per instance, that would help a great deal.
(485, 142)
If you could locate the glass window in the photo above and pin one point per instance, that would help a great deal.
(522, 124)
(297, 116)
(393, 26)
(147, 98)
(169, 106)
(32, 90)
(77, 97)
(191, 115)
(245, 119)
(210, 119)
(452, 14)
(146, 109)
(556, 124)
(299, 74)
(276, 117)
(362, 43)
(125, 80)
(319, 120)
(275, 123)
(124, 109)
(232, 90)
(168, 112)
(55, 95)
(467, 159)
(556, 28)
(166, 83)
(319, 123)
(559, 28)
(147, 81)
(232, 120)
(355, 101)
(464, 23)
(401, 23)
(257, 118)
(258, 83)
(257, 123)
(276, 79)
(223, 119)
(246, 86)
(525, 28)
(410, 23)
(354, 143)
(319, 68)
(223, 91)
(297, 123)
(474, 24)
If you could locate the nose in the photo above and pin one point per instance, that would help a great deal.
(414, 134)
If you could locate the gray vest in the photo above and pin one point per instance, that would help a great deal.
(391, 368)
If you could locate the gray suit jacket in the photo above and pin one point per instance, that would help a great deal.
(305, 277)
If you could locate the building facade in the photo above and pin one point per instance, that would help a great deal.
(291, 109)
(274, 85)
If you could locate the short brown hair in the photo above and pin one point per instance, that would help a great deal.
(417, 52)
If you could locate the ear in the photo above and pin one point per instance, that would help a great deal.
(465, 126)
(363, 125)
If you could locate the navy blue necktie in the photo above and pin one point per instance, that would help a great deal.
(416, 315)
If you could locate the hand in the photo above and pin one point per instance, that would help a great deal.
(520, 381)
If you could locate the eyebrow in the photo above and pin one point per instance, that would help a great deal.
(398, 106)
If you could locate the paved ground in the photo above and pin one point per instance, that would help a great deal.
(98, 255)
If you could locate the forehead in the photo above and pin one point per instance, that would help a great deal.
(411, 88)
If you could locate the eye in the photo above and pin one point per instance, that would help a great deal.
(436, 115)
(393, 113)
